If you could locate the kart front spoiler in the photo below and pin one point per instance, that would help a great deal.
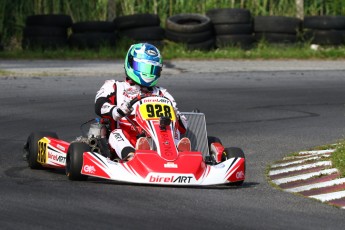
(148, 168)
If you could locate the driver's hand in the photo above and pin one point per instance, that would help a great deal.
(121, 111)
(124, 107)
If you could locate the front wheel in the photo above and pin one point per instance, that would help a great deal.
(74, 160)
(234, 152)
(31, 147)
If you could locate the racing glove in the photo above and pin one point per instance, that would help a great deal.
(121, 111)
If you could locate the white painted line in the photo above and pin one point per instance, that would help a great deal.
(304, 176)
(329, 196)
(316, 152)
(295, 162)
(300, 167)
(305, 156)
(316, 185)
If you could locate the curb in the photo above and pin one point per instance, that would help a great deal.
(311, 175)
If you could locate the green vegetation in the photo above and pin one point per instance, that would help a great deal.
(14, 12)
(178, 51)
(338, 158)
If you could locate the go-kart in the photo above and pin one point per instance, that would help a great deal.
(209, 162)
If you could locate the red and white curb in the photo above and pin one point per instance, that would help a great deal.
(310, 174)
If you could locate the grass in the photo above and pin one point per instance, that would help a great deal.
(178, 51)
(338, 158)
(5, 73)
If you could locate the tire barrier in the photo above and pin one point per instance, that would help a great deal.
(46, 31)
(92, 35)
(141, 28)
(217, 29)
(324, 30)
(194, 30)
(277, 29)
(232, 27)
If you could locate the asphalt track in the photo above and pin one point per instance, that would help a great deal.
(268, 114)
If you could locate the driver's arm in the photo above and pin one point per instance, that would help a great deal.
(105, 101)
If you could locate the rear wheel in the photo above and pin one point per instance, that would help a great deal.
(74, 160)
(234, 152)
(31, 147)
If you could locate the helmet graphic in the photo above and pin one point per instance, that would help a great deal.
(143, 64)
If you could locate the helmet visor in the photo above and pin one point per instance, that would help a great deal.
(148, 68)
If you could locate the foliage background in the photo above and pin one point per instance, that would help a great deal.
(14, 12)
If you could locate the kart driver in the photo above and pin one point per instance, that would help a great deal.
(143, 66)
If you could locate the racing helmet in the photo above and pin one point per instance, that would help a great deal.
(143, 64)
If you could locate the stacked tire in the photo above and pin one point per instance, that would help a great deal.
(194, 30)
(141, 28)
(277, 29)
(92, 35)
(46, 31)
(325, 30)
(232, 27)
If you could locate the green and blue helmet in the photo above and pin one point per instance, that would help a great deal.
(143, 64)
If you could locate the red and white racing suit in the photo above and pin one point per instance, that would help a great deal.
(114, 93)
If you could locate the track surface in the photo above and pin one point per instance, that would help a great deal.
(268, 114)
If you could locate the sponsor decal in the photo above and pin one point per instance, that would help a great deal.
(118, 137)
(111, 162)
(105, 106)
(61, 147)
(158, 99)
(151, 52)
(131, 92)
(55, 157)
(170, 179)
(219, 166)
(240, 175)
(89, 169)
(166, 148)
(170, 165)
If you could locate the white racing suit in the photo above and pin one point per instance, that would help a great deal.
(114, 93)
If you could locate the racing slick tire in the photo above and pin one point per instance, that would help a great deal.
(31, 147)
(231, 153)
(74, 160)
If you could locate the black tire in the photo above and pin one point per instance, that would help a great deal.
(232, 16)
(224, 29)
(31, 147)
(92, 40)
(277, 24)
(189, 37)
(42, 42)
(240, 40)
(58, 20)
(74, 161)
(144, 33)
(324, 22)
(325, 37)
(44, 31)
(231, 153)
(188, 23)
(93, 26)
(136, 20)
(204, 46)
(276, 37)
